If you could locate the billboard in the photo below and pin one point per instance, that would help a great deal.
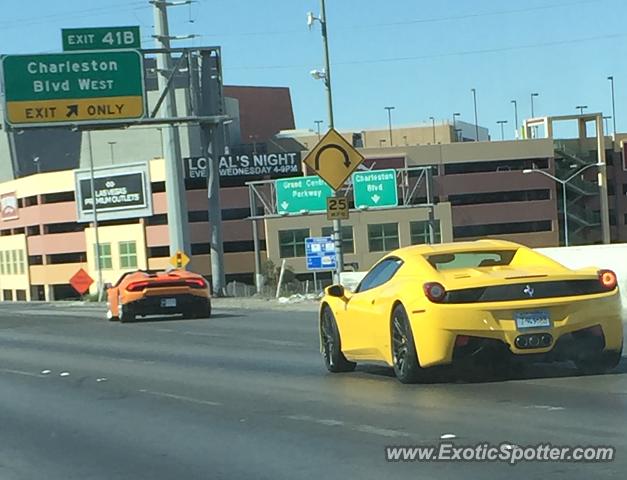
(120, 192)
(247, 166)
(8, 206)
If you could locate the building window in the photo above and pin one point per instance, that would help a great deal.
(1, 263)
(15, 262)
(292, 242)
(21, 261)
(105, 260)
(382, 237)
(128, 254)
(419, 232)
(501, 228)
(348, 246)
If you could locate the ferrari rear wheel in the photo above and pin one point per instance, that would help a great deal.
(126, 315)
(404, 355)
(600, 363)
(334, 359)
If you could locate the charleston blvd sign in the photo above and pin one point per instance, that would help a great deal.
(120, 192)
(272, 165)
(69, 88)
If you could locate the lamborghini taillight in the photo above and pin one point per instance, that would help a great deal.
(195, 283)
(137, 286)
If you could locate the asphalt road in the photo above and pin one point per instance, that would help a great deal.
(244, 395)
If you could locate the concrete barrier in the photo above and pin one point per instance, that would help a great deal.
(612, 256)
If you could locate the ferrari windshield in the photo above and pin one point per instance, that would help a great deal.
(471, 259)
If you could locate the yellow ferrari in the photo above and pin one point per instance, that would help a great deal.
(490, 300)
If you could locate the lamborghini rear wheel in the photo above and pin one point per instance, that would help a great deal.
(126, 314)
(404, 355)
(334, 359)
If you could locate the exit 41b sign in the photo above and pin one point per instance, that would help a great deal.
(100, 38)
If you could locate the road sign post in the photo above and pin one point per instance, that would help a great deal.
(301, 194)
(334, 159)
(70, 88)
(375, 189)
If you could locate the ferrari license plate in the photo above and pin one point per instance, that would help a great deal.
(168, 302)
(537, 319)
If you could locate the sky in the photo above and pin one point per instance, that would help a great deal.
(422, 57)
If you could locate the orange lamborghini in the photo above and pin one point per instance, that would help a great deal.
(149, 292)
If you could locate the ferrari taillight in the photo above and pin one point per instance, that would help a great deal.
(195, 283)
(608, 279)
(137, 286)
(434, 291)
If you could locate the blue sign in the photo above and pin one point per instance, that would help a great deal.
(320, 253)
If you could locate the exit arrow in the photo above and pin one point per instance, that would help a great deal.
(72, 110)
(284, 205)
(376, 198)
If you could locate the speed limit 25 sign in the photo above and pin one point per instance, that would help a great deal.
(337, 208)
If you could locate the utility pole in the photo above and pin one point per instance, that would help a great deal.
(502, 123)
(337, 224)
(174, 179)
(94, 209)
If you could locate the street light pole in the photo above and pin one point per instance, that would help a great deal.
(456, 114)
(318, 123)
(611, 79)
(515, 117)
(94, 209)
(502, 123)
(433, 127)
(474, 99)
(389, 109)
(581, 108)
(563, 182)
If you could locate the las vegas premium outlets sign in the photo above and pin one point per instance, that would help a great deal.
(121, 192)
(284, 164)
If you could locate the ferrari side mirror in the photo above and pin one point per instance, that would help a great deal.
(335, 291)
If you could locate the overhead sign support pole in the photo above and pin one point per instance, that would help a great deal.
(94, 206)
(175, 185)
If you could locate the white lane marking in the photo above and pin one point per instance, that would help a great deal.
(180, 397)
(64, 374)
(550, 408)
(385, 432)
(329, 422)
(20, 372)
(448, 436)
(102, 379)
(270, 341)
(46, 372)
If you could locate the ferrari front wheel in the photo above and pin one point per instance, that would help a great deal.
(334, 359)
(404, 356)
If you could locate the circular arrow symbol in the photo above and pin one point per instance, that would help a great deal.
(347, 161)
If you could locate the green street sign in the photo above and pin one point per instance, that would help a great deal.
(69, 88)
(298, 194)
(100, 38)
(375, 189)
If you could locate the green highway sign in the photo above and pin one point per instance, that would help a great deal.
(375, 188)
(297, 194)
(69, 88)
(100, 38)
